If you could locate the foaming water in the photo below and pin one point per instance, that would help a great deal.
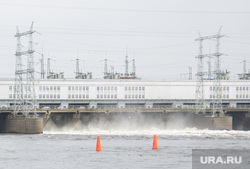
(121, 126)
(187, 132)
(50, 126)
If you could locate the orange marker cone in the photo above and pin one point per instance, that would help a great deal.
(98, 144)
(155, 143)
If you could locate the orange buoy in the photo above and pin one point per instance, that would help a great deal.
(155, 143)
(98, 144)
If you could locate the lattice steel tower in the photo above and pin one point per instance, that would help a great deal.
(218, 76)
(24, 90)
(199, 93)
(217, 102)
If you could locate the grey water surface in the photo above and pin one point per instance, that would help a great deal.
(120, 149)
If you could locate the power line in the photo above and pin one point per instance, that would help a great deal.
(124, 9)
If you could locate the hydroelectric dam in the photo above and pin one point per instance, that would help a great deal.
(127, 118)
(117, 103)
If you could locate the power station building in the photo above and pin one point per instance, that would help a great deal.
(121, 93)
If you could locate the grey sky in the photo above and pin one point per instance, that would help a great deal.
(159, 34)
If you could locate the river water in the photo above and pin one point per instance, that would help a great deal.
(120, 148)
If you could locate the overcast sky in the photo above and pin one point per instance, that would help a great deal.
(159, 34)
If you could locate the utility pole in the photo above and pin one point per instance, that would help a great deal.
(244, 66)
(48, 68)
(133, 67)
(112, 70)
(126, 66)
(105, 67)
(42, 67)
(77, 68)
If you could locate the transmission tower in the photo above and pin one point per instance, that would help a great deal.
(219, 75)
(217, 102)
(19, 100)
(24, 92)
(199, 93)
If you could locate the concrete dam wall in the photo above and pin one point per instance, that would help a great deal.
(117, 119)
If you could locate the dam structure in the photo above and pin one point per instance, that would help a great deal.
(67, 100)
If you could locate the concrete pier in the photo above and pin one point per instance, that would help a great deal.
(23, 124)
(213, 123)
(223, 123)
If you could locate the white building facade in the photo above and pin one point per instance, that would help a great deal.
(96, 93)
